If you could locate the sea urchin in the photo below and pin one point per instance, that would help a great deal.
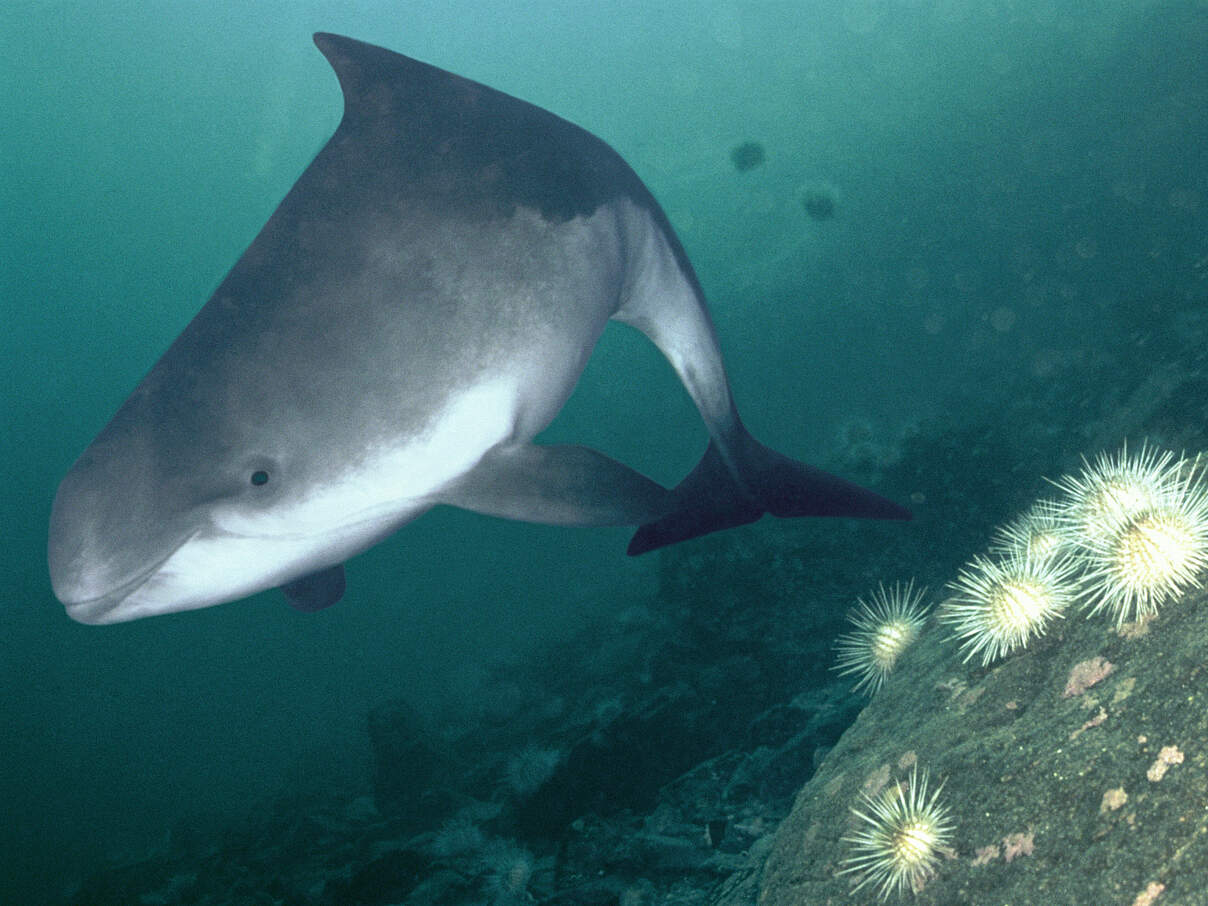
(1037, 533)
(997, 606)
(1112, 489)
(884, 627)
(1152, 554)
(903, 831)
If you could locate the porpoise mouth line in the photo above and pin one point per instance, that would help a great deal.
(110, 599)
(384, 512)
(102, 604)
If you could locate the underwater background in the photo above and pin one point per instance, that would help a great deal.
(896, 209)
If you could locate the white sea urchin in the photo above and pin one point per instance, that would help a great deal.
(1106, 493)
(1153, 554)
(1037, 533)
(884, 626)
(998, 605)
(899, 842)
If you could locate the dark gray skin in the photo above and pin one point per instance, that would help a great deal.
(416, 310)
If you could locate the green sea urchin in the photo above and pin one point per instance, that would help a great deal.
(902, 834)
(998, 605)
(884, 626)
(1037, 533)
(1112, 489)
(1152, 555)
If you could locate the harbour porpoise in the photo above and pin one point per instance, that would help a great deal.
(416, 310)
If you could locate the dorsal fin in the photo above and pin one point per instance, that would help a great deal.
(471, 144)
(379, 83)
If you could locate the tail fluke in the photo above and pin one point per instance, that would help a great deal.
(717, 496)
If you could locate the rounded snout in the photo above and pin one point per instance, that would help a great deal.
(75, 544)
(104, 542)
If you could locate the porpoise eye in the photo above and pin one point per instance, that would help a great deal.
(259, 477)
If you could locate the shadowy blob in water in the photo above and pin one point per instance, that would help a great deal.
(747, 156)
(819, 205)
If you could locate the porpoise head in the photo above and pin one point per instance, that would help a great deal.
(182, 503)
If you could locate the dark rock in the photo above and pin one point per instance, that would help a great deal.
(387, 879)
(120, 886)
(596, 893)
(409, 765)
(776, 725)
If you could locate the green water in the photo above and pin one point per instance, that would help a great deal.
(1010, 179)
